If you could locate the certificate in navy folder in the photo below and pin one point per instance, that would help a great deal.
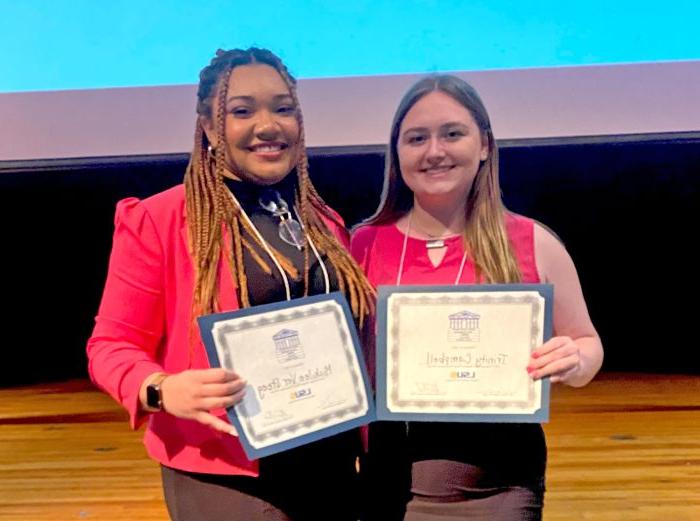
(460, 353)
(302, 360)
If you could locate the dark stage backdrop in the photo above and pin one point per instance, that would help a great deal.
(625, 207)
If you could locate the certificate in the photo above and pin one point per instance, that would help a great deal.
(302, 360)
(460, 353)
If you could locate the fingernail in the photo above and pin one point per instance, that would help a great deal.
(535, 354)
(530, 369)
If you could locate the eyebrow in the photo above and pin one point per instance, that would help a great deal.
(251, 99)
(444, 125)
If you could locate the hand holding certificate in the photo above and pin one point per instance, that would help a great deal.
(456, 353)
(305, 372)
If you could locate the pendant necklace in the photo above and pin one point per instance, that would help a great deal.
(433, 242)
(298, 239)
(289, 229)
(436, 241)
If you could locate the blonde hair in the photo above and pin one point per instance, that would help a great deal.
(485, 237)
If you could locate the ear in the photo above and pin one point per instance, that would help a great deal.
(208, 127)
(484, 152)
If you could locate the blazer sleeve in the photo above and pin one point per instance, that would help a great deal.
(129, 327)
(336, 225)
(361, 242)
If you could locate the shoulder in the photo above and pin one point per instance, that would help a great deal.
(170, 202)
(363, 241)
(518, 225)
(540, 251)
(520, 231)
(545, 236)
(159, 208)
(329, 215)
(550, 253)
(364, 235)
(334, 222)
(363, 232)
(150, 220)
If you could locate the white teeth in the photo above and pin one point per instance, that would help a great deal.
(267, 148)
(438, 169)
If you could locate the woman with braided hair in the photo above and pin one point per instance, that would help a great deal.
(217, 243)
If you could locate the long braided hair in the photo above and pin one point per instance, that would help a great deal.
(212, 213)
(485, 236)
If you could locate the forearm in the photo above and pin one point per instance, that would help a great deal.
(120, 370)
(590, 360)
(129, 327)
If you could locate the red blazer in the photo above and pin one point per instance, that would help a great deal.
(144, 325)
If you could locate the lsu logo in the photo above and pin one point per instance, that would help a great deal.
(301, 393)
(462, 375)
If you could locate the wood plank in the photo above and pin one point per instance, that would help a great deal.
(626, 447)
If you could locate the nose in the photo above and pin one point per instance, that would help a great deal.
(266, 126)
(435, 151)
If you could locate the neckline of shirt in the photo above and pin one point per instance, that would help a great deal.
(447, 239)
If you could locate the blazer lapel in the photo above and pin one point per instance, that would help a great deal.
(228, 296)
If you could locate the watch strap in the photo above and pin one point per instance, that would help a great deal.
(154, 394)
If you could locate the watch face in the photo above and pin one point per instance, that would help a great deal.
(153, 396)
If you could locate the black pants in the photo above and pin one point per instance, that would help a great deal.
(311, 483)
(445, 490)
(422, 471)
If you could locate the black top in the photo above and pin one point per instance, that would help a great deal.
(264, 288)
(330, 458)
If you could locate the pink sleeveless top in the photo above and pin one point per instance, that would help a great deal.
(496, 454)
(378, 250)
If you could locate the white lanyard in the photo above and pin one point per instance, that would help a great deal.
(403, 255)
(274, 260)
(326, 279)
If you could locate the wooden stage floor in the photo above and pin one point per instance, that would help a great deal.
(627, 447)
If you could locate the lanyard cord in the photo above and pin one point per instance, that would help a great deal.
(274, 259)
(326, 278)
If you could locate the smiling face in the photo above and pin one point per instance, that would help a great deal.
(261, 126)
(440, 148)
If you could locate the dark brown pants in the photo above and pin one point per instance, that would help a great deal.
(445, 471)
(446, 490)
(311, 483)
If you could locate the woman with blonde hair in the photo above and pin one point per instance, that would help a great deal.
(246, 228)
(441, 221)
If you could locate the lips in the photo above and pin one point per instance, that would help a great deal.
(269, 151)
(437, 169)
(268, 147)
